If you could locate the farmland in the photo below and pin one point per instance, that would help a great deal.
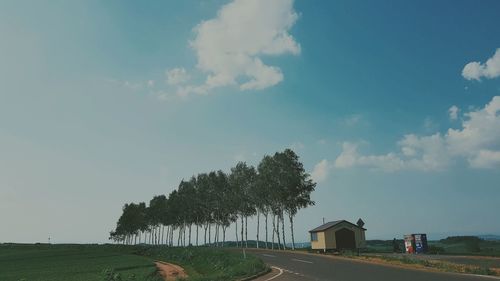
(458, 245)
(89, 262)
(70, 262)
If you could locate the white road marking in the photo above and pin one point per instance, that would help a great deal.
(275, 276)
(302, 261)
(266, 255)
(485, 276)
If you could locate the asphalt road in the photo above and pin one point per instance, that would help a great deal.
(300, 266)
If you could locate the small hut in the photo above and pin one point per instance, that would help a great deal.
(338, 235)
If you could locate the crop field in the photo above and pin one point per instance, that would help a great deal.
(71, 262)
(133, 263)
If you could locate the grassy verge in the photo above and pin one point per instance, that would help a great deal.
(204, 264)
(429, 264)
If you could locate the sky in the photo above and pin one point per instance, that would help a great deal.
(392, 106)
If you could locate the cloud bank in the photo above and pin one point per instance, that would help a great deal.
(476, 70)
(477, 142)
(320, 171)
(230, 47)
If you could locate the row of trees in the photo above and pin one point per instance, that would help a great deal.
(277, 189)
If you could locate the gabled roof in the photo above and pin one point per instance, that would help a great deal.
(332, 224)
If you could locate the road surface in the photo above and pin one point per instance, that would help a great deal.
(300, 266)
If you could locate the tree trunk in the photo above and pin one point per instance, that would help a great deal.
(283, 229)
(236, 230)
(291, 229)
(166, 237)
(162, 234)
(242, 228)
(266, 229)
(223, 235)
(157, 235)
(246, 232)
(172, 236)
(209, 234)
(205, 241)
(197, 235)
(216, 235)
(278, 231)
(179, 237)
(190, 225)
(274, 231)
(258, 229)
(184, 235)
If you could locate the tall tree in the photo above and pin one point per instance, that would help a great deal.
(296, 184)
(243, 178)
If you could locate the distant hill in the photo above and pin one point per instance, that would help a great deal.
(300, 245)
(489, 237)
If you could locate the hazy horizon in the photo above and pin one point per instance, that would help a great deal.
(394, 109)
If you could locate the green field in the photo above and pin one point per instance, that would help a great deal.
(88, 262)
(461, 245)
(70, 262)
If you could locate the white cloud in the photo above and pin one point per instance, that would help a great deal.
(453, 112)
(477, 141)
(430, 125)
(350, 158)
(177, 76)
(476, 70)
(230, 47)
(486, 159)
(151, 83)
(321, 171)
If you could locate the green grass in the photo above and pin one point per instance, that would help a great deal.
(71, 262)
(209, 264)
(133, 263)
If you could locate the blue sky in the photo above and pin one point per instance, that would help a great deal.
(107, 102)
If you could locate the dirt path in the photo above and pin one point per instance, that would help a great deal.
(170, 272)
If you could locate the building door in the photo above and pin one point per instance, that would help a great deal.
(345, 239)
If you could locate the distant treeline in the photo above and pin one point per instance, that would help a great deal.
(277, 189)
(461, 239)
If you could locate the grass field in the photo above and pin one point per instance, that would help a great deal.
(88, 262)
(70, 262)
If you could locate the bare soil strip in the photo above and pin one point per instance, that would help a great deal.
(169, 271)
